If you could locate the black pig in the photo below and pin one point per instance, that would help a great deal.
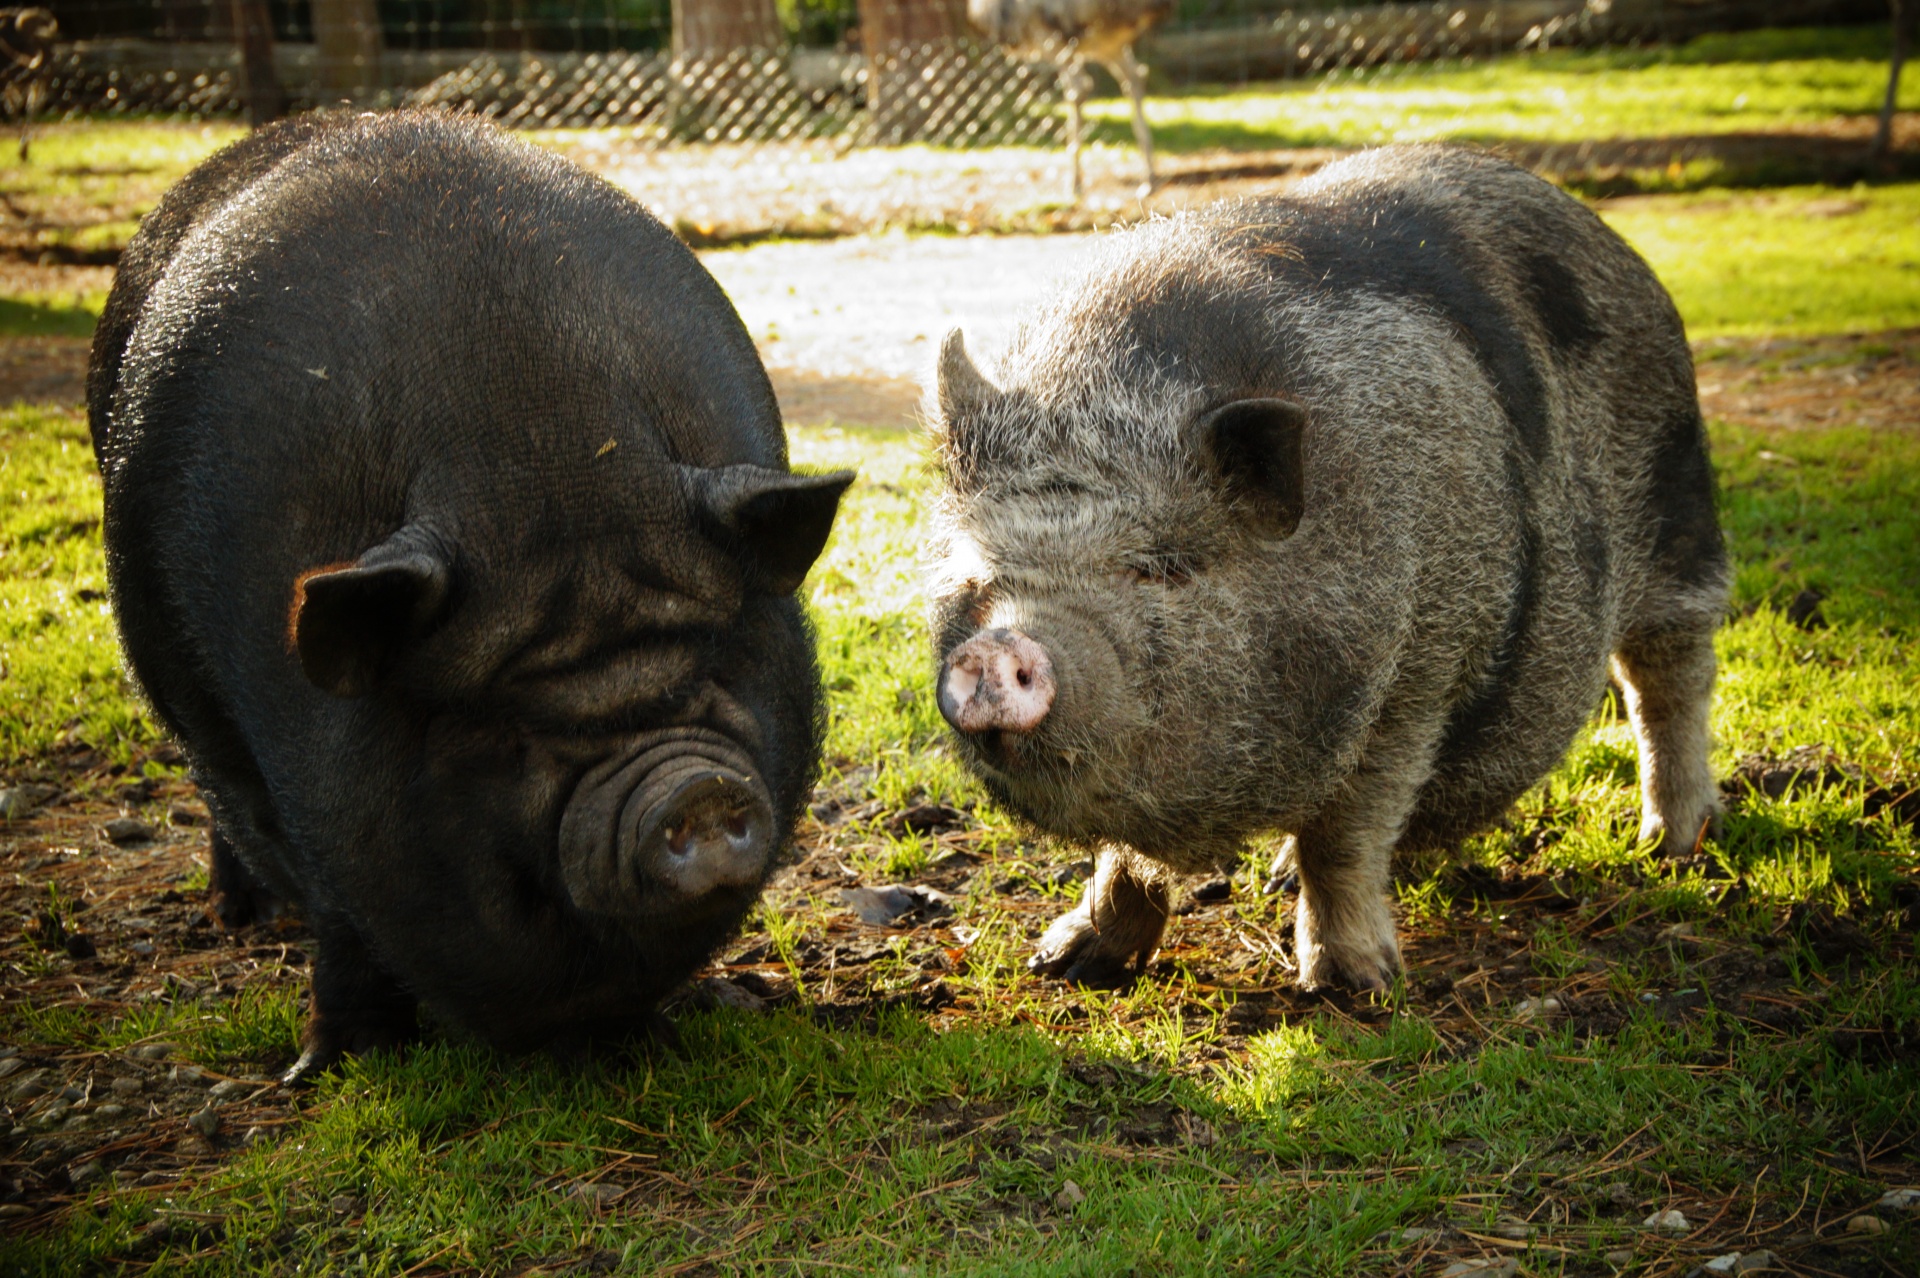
(449, 526)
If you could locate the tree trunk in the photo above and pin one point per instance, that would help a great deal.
(902, 40)
(888, 24)
(348, 35)
(715, 28)
(1906, 16)
(259, 82)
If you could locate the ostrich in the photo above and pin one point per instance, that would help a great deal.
(26, 38)
(1070, 33)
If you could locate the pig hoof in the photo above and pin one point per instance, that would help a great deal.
(243, 905)
(1074, 952)
(326, 1046)
(1671, 840)
(1364, 969)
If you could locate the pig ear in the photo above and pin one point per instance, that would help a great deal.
(961, 384)
(1254, 446)
(776, 520)
(350, 622)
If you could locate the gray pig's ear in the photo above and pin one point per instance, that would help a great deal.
(962, 385)
(1253, 445)
(351, 622)
(777, 521)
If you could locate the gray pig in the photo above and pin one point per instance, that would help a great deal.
(1325, 514)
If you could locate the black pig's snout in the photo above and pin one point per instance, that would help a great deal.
(663, 826)
(712, 831)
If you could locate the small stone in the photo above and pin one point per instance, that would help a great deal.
(1866, 1225)
(1726, 1264)
(123, 831)
(1411, 1235)
(253, 1135)
(228, 1089)
(30, 1084)
(1754, 1261)
(1515, 1229)
(84, 1172)
(718, 991)
(599, 1195)
(8, 1053)
(1901, 1199)
(181, 815)
(1618, 1258)
(1482, 1267)
(153, 1051)
(17, 801)
(13, 1211)
(12, 1065)
(1670, 1221)
(149, 1179)
(1069, 1197)
(54, 1113)
(896, 905)
(127, 1086)
(1528, 1009)
(344, 1205)
(126, 1178)
(184, 1073)
(109, 1111)
(143, 948)
(205, 1122)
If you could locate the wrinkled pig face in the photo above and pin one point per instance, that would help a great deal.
(613, 730)
(1099, 628)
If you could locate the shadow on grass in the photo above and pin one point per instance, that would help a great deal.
(35, 318)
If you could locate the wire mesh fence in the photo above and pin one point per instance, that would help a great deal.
(845, 72)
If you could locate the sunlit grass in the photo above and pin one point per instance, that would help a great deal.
(1753, 82)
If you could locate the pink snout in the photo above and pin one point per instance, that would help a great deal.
(997, 679)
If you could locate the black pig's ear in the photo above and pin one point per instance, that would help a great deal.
(776, 520)
(350, 622)
(1254, 446)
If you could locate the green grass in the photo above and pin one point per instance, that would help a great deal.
(86, 184)
(1754, 82)
(782, 1145)
(41, 316)
(59, 657)
(1794, 260)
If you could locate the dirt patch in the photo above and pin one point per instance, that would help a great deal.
(1805, 383)
(101, 884)
(720, 194)
(43, 370)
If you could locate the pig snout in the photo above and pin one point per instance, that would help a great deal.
(999, 679)
(663, 828)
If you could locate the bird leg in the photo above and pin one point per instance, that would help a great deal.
(1073, 83)
(1133, 78)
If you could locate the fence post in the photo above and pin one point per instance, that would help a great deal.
(348, 35)
(259, 82)
(899, 36)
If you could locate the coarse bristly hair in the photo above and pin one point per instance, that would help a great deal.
(1504, 486)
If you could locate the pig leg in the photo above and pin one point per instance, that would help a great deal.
(357, 1006)
(1668, 678)
(1343, 928)
(239, 899)
(1109, 938)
